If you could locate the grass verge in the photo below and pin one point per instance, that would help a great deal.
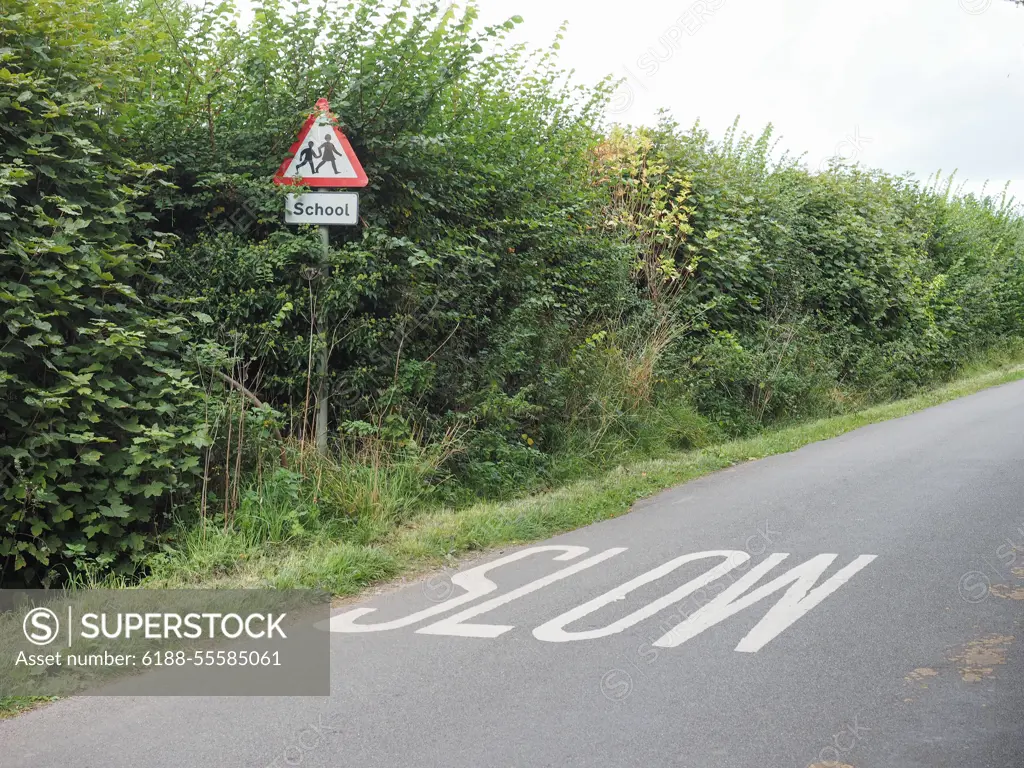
(15, 705)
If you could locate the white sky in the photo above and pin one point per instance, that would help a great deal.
(903, 85)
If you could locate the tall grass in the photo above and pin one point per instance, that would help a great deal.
(337, 508)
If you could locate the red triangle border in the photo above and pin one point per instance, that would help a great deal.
(360, 179)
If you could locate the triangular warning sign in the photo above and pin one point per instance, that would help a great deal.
(322, 155)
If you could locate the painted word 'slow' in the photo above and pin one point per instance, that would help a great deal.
(802, 592)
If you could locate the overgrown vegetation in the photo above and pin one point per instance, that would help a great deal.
(532, 296)
(95, 411)
(346, 564)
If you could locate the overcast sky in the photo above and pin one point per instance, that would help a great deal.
(904, 85)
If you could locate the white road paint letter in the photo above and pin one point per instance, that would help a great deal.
(454, 625)
(474, 581)
(798, 600)
(554, 630)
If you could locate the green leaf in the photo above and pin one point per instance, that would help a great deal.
(116, 508)
(90, 458)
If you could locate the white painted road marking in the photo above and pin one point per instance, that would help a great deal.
(554, 630)
(454, 625)
(474, 581)
(800, 598)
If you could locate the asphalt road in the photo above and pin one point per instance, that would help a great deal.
(914, 657)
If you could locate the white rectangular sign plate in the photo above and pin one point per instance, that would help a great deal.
(338, 208)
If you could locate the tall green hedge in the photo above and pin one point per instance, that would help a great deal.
(850, 279)
(91, 383)
(481, 254)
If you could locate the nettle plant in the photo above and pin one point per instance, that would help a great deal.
(94, 407)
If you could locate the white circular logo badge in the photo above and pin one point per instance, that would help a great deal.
(41, 626)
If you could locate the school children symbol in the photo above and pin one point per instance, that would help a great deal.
(322, 155)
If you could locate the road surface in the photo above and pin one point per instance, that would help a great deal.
(899, 644)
